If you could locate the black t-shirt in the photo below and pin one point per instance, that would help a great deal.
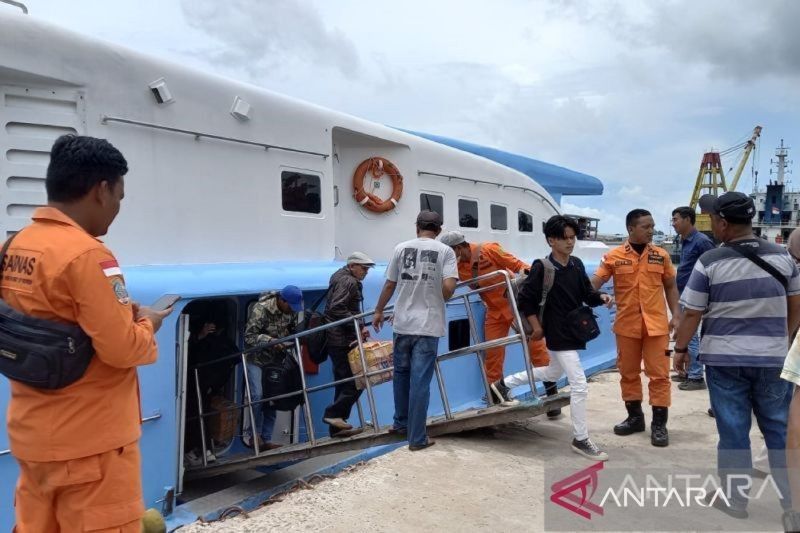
(571, 289)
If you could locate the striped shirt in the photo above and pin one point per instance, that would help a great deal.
(745, 306)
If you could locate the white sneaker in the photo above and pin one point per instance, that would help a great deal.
(502, 394)
(193, 458)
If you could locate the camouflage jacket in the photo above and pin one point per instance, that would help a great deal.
(265, 323)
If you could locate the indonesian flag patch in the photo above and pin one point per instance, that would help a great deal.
(111, 268)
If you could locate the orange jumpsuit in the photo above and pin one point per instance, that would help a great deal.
(499, 316)
(77, 447)
(641, 324)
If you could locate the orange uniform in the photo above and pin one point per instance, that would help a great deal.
(499, 316)
(77, 446)
(641, 324)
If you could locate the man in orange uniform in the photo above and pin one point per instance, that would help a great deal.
(475, 260)
(77, 447)
(643, 274)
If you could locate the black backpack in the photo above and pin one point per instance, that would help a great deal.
(316, 343)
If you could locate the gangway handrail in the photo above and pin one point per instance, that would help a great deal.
(477, 348)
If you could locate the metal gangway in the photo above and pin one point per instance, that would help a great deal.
(374, 433)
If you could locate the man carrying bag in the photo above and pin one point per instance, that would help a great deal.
(553, 299)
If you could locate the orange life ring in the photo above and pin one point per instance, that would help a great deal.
(377, 166)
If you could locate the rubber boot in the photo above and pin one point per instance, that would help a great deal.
(635, 421)
(551, 388)
(658, 428)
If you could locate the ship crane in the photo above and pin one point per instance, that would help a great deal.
(711, 178)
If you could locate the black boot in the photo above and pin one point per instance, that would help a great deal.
(551, 388)
(658, 428)
(635, 421)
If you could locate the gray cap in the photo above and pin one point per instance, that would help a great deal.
(452, 238)
(360, 258)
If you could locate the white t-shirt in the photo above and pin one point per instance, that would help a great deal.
(419, 267)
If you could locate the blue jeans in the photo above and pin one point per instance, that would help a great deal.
(414, 357)
(264, 415)
(738, 392)
(695, 366)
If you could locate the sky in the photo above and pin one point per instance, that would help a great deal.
(631, 92)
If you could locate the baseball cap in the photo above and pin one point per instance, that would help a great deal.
(360, 258)
(452, 238)
(293, 296)
(429, 218)
(734, 207)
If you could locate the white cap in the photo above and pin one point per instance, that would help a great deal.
(360, 258)
(452, 238)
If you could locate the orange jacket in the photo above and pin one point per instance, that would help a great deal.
(638, 289)
(55, 270)
(492, 258)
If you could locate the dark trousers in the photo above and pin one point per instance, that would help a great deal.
(346, 394)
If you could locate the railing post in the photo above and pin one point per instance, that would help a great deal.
(253, 435)
(360, 411)
(370, 398)
(445, 402)
(306, 403)
(481, 354)
(512, 301)
(200, 412)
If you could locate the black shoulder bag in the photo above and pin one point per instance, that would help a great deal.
(752, 255)
(37, 352)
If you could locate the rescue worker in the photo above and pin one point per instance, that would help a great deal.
(643, 274)
(344, 301)
(272, 317)
(78, 446)
(475, 260)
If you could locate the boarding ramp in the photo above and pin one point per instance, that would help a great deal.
(374, 433)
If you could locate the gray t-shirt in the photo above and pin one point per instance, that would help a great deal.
(419, 267)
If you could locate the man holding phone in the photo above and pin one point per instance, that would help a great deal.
(78, 446)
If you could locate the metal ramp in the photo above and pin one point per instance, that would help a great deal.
(462, 421)
(448, 423)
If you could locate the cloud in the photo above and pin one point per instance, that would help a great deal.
(631, 192)
(736, 39)
(259, 37)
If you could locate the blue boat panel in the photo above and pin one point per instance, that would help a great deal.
(556, 180)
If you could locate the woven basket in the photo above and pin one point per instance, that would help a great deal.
(223, 424)
(378, 355)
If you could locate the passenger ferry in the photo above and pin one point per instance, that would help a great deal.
(234, 190)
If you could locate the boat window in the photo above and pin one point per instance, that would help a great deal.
(499, 217)
(525, 222)
(468, 213)
(458, 334)
(300, 192)
(432, 202)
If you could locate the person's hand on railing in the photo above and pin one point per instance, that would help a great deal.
(377, 320)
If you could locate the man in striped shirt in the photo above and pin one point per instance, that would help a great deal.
(748, 293)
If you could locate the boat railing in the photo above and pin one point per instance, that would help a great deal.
(20, 5)
(477, 348)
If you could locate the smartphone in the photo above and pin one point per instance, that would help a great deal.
(165, 302)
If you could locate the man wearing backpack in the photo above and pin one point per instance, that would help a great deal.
(344, 301)
(477, 259)
(550, 298)
(273, 316)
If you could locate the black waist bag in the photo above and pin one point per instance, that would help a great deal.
(38, 352)
(583, 324)
(282, 376)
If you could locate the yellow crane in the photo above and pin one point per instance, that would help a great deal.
(711, 178)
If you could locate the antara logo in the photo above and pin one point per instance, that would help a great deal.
(575, 492)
